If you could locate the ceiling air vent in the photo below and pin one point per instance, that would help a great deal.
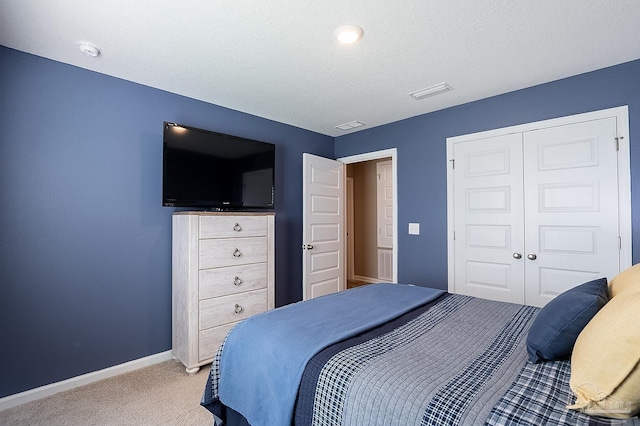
(431, 91)
(350, 125)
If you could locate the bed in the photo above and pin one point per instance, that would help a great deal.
(394, 354)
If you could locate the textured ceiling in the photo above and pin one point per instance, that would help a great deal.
(278, 59)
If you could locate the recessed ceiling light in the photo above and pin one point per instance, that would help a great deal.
(89, 49)
(436, 89)
(348, 34)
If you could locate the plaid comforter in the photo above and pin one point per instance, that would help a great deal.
(456, 361)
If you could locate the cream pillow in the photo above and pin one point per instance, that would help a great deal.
(605, 370)
(626, 281)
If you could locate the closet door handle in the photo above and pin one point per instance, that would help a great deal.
(517, 255)
(532, 256)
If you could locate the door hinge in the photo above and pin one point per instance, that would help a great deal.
(619, 243)
(618, 142)
(453, 163)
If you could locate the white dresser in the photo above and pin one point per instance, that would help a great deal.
(222, 273)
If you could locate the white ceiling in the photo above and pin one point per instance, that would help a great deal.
(278, 59)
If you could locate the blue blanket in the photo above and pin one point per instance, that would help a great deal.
(283, 341)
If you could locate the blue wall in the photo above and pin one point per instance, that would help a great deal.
(85, 246)
(421, 144)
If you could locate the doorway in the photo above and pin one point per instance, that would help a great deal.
(369, 211)
(372, 217)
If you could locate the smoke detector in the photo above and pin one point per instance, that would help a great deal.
(89, 49)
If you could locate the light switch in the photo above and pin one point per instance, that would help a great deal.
(414, 229)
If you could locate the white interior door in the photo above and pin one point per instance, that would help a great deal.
(323, 226)
(488, 218)
(385, 204)
(571, 199)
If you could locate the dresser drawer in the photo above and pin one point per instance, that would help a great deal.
(209, 340)
(233, 226)
(232, 251)
(232, 279)
(232, 308)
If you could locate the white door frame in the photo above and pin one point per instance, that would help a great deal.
(377, 155)
(350, 227)
(624, 175)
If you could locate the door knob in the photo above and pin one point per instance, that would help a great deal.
(532, 256)
(517, 255)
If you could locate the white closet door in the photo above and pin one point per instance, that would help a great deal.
(488, 218)
(571, 207)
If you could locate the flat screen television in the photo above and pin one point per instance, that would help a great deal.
(210, 170)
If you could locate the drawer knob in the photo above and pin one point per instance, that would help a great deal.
(236, 253)
(237, 227)
(238, 309)
(237, 281)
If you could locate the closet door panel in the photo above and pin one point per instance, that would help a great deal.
(571, 207)
(488, 218)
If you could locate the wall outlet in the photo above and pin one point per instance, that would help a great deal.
(414, 229)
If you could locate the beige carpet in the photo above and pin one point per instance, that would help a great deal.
(162, 394)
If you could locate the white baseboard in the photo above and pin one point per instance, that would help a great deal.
(368, 280)
(85, 379)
